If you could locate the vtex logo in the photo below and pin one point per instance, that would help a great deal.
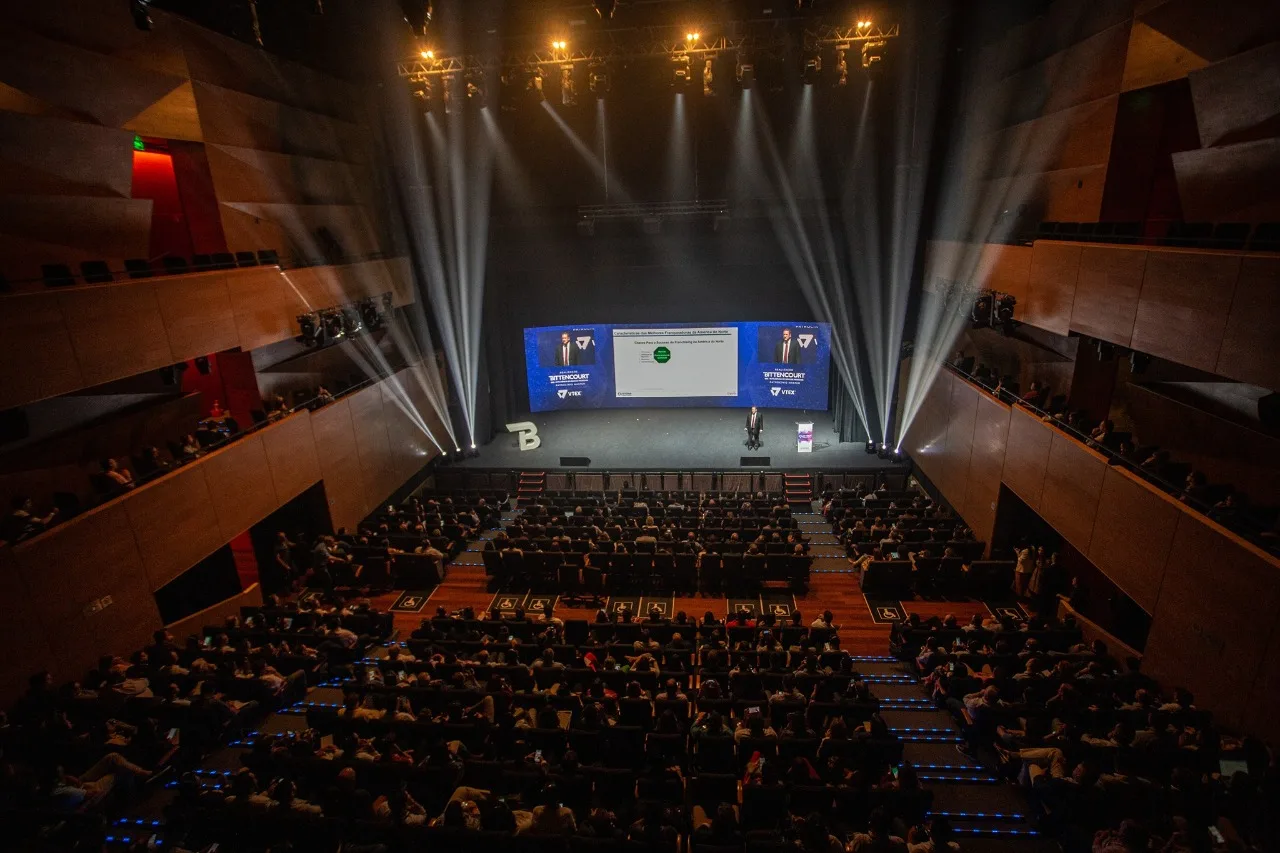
(527, 432)
(582, 341)
(775, 391)
(562, 393)
(805, 340)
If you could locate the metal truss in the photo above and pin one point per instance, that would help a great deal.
(648, 43)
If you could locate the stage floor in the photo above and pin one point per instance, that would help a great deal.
(674, 438)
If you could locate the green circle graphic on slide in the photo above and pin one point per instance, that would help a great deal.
(662, 355)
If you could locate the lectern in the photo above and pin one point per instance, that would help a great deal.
(804, 436)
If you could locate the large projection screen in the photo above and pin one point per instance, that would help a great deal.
(776, 364)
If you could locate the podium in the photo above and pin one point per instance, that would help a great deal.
(804, 436)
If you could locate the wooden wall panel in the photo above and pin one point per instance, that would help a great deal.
(339, 464)
(54, 156)
(1107, 290)
(89, 557)
(1260, 716)
(956, 461)
(1180, 310)
(990, 442)
(1237, 95)
(1072, 483)
(371, 441)
(246, 121)
(36, 356)
(240, 486)
(243, 174)
(263, 306)
(217, 614)
(21, 633)
(1004, 268)
(102, 227)
(197, 314)
(1211, 625)
(1068, 139)
(1051, 289)
(1230, 183)
(1154, 58)
(1253, 329)
(928, 431)
(1132, 535)
(117, 331)
(1027, 457)
(291, 456)
(174, 522)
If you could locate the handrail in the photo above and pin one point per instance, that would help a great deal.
(1238, 524)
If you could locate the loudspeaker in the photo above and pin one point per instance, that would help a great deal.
(1269, 410)
(202, 364)
(574, 461)
(754, 462)
(169, 375)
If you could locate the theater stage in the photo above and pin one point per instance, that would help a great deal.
(702, 439)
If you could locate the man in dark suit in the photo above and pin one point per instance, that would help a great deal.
(566, 353)
(755, 423)
(786, 351)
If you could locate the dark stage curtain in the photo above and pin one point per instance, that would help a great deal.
(847, 423)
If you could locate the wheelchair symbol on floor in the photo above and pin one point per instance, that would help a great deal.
(507, 603)
(781, 609)
(411, 602)
(888, 613)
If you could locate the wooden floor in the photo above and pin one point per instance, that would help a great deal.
(837, 592)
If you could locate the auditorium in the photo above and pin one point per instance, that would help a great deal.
(640, 426)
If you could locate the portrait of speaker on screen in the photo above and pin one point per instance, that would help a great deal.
(787, 345)
(566, 348)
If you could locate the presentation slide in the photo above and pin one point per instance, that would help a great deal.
(675, 362)
(778, 365)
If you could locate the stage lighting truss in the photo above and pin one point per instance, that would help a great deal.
(620, 46)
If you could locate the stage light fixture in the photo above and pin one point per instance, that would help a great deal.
(559, 45)
(692, 37)
(708, 78)
(568, 90)
(884, 451)
(842, 67)
(448, 88)
(141, 11)
(598, 79)
(1004, 313)
(871, 447)
(370, 315)
(873, 53)
(605, 8)
(535, 84)
(680, 71)
(477, 88)
(745, 72)
(864, 27)
(309, 332)
(898, 455)
(812, 69)
(1138, 362)
(427, 54)
(980, 314)
(352, 322)
(427, 14)
(331, 322)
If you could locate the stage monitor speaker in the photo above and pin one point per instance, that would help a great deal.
(574, 461)
(754, 462)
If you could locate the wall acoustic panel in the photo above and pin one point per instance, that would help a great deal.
(197, 314)
(36, 356)
(26, 649)
(82, 561)
(1237, 96)
(1132, 535)
(1230, 183)
(339, 464)
(264, 307)
(1107, 289)
(1180, 310)
(1051, 290)
(1027, 457)
(1253, 327)
(956, 459)
(175, 524)
(117, 331)
(1214, 616)
(1073, 480)
(990, 442)
(240, 486)
(371, 441)
(291, 455)
(1154, 58)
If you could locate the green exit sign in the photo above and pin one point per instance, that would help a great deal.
(138, 144)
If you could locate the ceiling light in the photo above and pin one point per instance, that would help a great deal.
(605, 8)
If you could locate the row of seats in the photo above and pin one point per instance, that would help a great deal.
(98, 272)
